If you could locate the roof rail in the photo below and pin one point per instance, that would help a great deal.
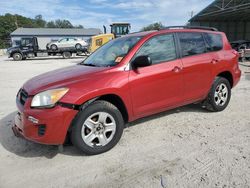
(190, 27)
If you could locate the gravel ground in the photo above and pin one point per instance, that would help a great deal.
(184, 147)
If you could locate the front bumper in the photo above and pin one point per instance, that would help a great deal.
(52, 125)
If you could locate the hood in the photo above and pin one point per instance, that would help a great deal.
(13, 48)
(60, 78)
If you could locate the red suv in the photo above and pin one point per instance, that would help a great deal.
(128, 78)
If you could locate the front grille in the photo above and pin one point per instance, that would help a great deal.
(22, 96)
(41, 130)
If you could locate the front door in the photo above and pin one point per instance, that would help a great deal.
(63, 43)
(159, 86)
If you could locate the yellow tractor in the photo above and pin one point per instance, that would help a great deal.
(117, 30)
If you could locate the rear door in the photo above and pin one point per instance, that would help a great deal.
(197, 65)
(159, 86)
(71, 42)
(63, 43)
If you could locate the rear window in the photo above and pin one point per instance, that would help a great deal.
(192, 44)
(214, 41)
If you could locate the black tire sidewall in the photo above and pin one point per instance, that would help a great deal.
(76, 46)
(53, 47)
(66, 55)
(18, 54)
(218, 81)
(97, 106)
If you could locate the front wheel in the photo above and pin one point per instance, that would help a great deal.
(78, 46)
(53, 47)
(219, 95)
(98, 128)
(17, 56)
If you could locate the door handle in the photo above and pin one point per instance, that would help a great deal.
(176, 69)
(214, 61)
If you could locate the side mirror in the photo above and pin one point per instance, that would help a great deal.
(142, 61)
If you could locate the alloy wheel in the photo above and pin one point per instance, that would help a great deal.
(221, 94)
(98, 129)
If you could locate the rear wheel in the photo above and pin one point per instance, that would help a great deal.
(66, 55)
(98, 128)
(17, 56)
(219, 95)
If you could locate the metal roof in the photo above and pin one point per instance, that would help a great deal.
(55, 32)
(224, 10)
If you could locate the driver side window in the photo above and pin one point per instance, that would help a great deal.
(64, 40)
(160, 48)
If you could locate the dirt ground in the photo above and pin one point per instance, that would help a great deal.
(184, 147)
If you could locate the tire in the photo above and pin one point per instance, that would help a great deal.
(17, 56)
(78, 46)
(53, 47)
(87, 125)
(219, 95)
(66, 55)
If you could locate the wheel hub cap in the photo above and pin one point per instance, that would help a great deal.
(98, 129)
(221, 94)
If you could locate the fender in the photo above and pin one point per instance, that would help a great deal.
(16, 51)
(88, 98)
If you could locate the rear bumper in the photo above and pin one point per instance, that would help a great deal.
(52, 125)
(237, 75)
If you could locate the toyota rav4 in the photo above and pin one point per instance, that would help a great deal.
(128, 78)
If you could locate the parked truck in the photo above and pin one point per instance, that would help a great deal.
(29, 48)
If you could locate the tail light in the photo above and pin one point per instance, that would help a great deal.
(235, 53)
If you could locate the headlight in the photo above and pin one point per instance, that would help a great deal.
(48, 98)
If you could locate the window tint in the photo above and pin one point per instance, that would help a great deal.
(107, 54)
(214, 41)
(26, 41)
(64, 40)
(191, 44)
(17, 42)
(160, 48)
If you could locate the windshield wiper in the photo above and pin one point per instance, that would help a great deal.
(89, 64)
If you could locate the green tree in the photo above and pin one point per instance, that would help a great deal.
(10, 22)
(59, 24)
(51, 24)
(78, 26)
(153, 26)
(39, 21)
(63, 24)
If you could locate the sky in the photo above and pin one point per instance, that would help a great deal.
(96, 13)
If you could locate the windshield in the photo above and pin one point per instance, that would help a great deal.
(108, 53)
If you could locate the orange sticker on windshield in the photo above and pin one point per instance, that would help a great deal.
(118, 59)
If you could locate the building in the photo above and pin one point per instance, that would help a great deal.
(46, 35)
(229, 16)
